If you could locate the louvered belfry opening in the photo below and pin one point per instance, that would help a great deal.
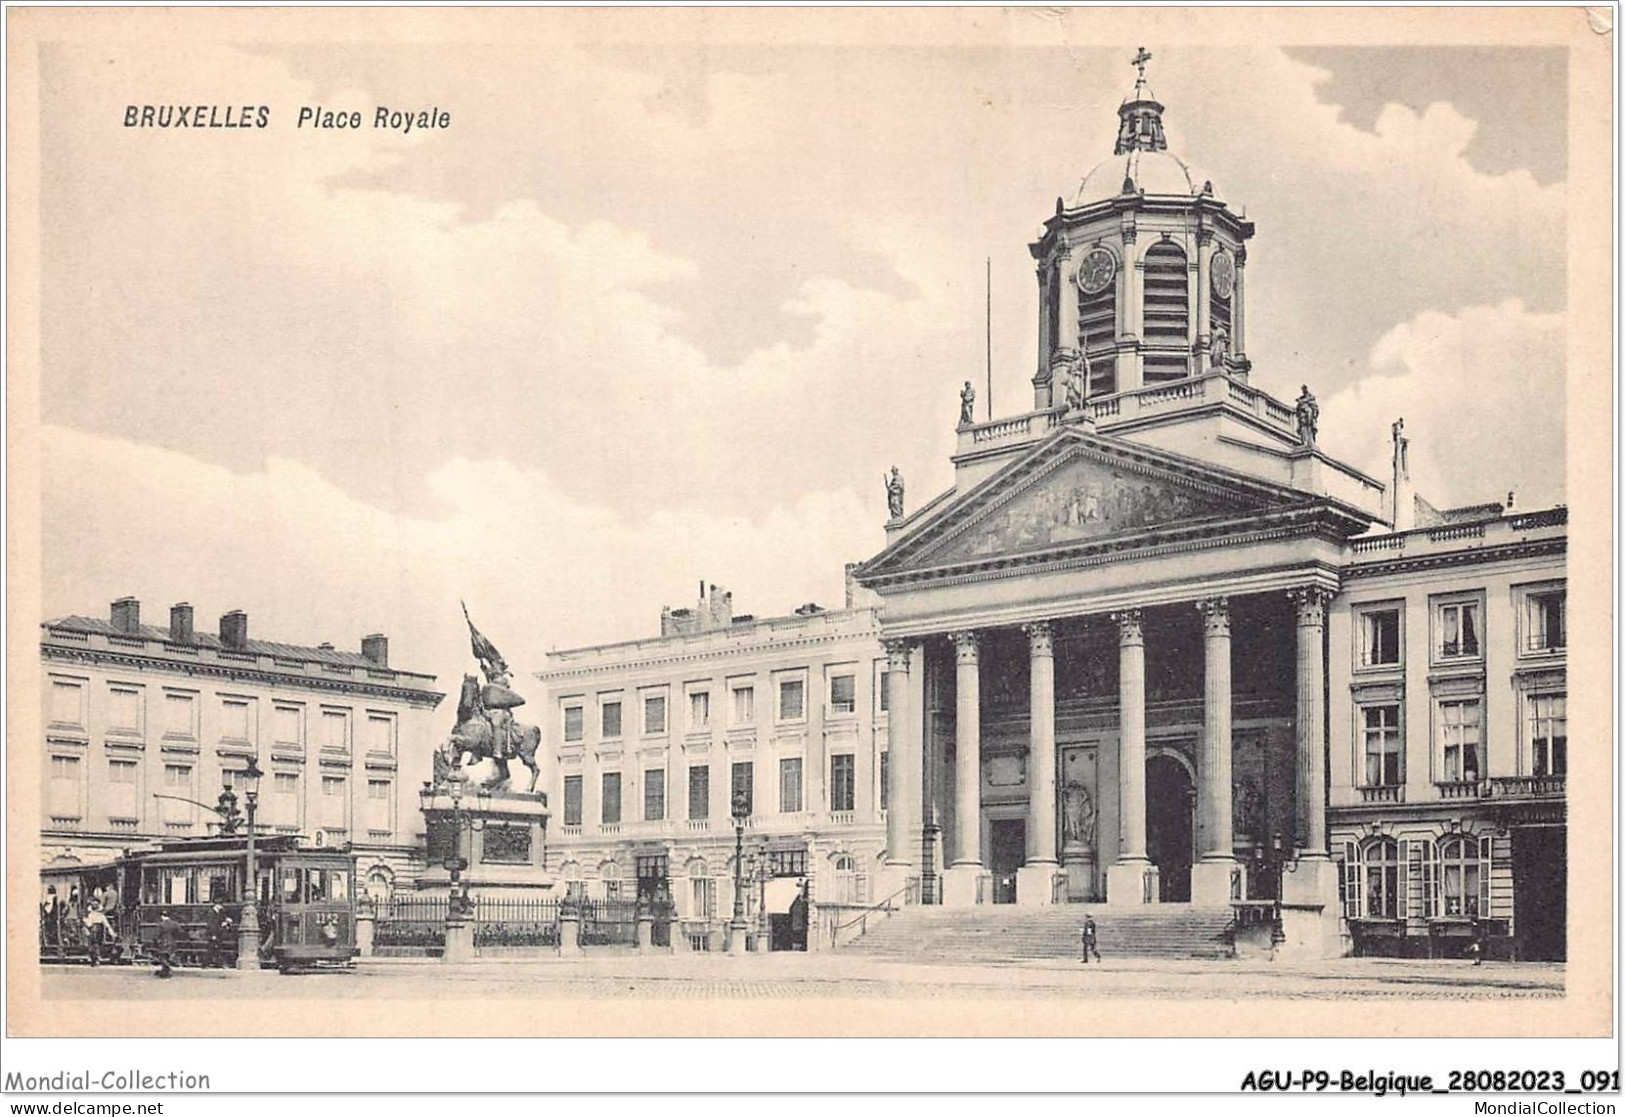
(1167, 314)
(1097, 337)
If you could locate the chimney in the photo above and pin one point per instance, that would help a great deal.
(1403, 510)
(375, 649)
(234, 629)
(127, 616)
(180, 623)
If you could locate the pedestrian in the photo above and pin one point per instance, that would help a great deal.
(98, 933)
(165, 943)
(1090, 945)
(219, 931)
(1475, 947)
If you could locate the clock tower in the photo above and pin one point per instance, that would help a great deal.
(1140, 272)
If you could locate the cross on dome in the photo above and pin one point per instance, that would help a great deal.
(1141, 57)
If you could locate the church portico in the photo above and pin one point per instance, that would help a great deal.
(1042, 747)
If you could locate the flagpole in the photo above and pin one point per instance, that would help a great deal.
(990, 339)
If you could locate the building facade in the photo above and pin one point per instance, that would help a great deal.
(145, 724)
(1123, 646)
(654, 741)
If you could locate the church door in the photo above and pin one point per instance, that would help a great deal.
(1007, 847)
(1169, 799)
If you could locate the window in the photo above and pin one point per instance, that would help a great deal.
(284, 804)
(1379, 638)
(699, 711)
(179, 710)
(654, 714)
(610, 720)
(64, 795)
(336, 730)
(1463, 876)
(882, 691)
(1383, 755)
(1166, 302)
(380, 820)
(380, 735)
(1382, 878)
(787, 862)
(572, 800)
(1546, 622)
(1458, 628)
(744, 704)
(790, 785)
(118, 771)
(792, 699)
(335, 803)
(843, 694)
(124, 708)
(236, 718)
(285, 727)
(742, 789)
(654, 794)
(123, 801)
(610, 805)
(702, 893)
(574, 725)
(885, 780)
(1459, 741)
(67, 703)
(1548, 734)
(699, 791)
(842, 782)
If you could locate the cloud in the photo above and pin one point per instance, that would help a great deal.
(311, 563)
(1482, 394)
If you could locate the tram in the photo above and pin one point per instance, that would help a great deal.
(305, 902)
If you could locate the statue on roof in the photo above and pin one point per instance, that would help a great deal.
(1220, 349)
(1075, 382)
(1308, 412)
(967, 405)
(894, 494)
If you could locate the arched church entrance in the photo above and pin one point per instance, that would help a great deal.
(1169, 825)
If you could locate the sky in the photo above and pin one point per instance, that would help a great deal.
(645, 315)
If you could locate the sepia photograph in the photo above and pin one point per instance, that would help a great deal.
(1024, 522)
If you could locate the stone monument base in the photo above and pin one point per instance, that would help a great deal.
(1079, 861)
(501, 840)
(1311, 912)
(959, 886)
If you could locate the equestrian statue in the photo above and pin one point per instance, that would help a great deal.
(486, 728)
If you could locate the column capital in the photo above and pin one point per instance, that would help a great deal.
(967, 646)
(897, 653)
(1130, 626)
(1311, 602)
(1040, 637)
(1215, 616)
(1240, 255)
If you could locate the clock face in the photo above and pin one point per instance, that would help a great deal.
(1224, 275)
(1096, 270)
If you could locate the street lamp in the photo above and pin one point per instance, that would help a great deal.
(736, 927)
(248, 933)
(458, 902)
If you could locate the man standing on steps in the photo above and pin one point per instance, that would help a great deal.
(1089, 946)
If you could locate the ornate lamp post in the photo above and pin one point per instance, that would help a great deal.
(458, 901)
(248, 933)
(1274, 859)
(736, 926)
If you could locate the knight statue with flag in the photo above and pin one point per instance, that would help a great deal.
(486, 728)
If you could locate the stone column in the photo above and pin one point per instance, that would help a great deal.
(1035, 880)
(959, 882)
(1130, 372)
(903, 769)
(1127, 879)
(1196, 343)
(1069, 338)
(1312, 923)
(1211, 875)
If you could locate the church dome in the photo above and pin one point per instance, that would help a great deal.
(1153, 172)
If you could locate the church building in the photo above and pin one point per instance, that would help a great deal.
(1156, 646)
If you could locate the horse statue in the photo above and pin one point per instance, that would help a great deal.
(486, 729)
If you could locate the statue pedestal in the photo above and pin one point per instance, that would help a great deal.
(459, 939)
(502, 837)
(1079, 862)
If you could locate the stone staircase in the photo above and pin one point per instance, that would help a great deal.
(1006, 933)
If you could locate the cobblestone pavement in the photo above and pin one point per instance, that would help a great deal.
(700, 977)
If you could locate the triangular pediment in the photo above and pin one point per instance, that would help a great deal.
(1082, 490)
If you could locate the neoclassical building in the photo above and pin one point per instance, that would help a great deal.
(144, 725)
(1119, 646)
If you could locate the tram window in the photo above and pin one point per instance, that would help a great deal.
(316, 886)
(149, 889)
(340, 889)
(265, 887)
(221, 888)
(290, 886)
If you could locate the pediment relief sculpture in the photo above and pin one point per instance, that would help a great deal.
(1084, 501)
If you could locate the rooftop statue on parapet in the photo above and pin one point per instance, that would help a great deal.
(894, 494)
(486, 728)
(967, 405)
(1308, 412)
